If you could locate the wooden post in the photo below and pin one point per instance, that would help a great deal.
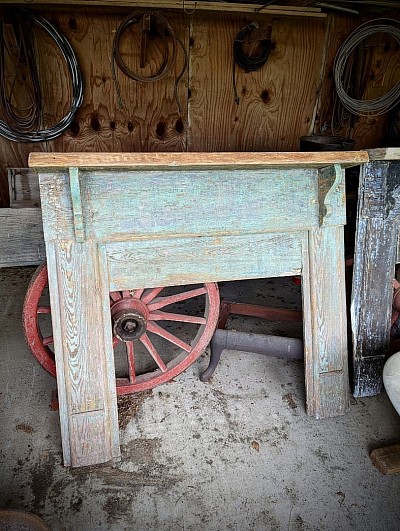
(324, 303)
(79, 295)
(374, 264)
(84, 353)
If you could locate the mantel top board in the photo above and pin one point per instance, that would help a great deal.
(197, 160)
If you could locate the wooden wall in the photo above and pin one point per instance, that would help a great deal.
(289, 97)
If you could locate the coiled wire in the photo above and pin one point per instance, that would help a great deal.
(164, 29)
(343, 74)
(18, 132)
(25, 119)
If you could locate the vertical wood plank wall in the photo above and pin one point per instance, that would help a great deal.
(289, 97)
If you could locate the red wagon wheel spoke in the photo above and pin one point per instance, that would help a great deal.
(153, 352)
(138, 293)
(44, 309)
(152, 294)
(166, 316)
(153, 327)
(115, 296)
(47, 340)
(161, 302)
(134, 314)
(130, 350)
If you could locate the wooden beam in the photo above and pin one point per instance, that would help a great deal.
(384, 153)
(192, 6)
(21, 237)
(387, 459)
(196, 160)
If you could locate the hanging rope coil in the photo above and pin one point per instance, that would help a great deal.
(247, 62)
(163, 28)
(20, 125)
(343, 72)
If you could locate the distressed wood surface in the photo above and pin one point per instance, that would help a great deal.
(84, 353)
(377, 234)
(392, 153)
(325, 328)
(40, 161)
(178, 261)
(21, 237)
(182, 203)
(387, 459)
(145, 228)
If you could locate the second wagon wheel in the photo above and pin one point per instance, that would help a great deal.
(157, 332)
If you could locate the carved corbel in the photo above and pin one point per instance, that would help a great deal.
(331, 195)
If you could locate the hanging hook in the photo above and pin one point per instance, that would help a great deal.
(188, 12)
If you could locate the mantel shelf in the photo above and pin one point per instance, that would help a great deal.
(197, 160)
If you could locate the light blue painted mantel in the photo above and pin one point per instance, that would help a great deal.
(126, 221)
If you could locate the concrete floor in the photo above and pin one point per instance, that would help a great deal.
(238, 453)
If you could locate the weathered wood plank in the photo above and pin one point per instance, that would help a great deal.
(179, 261)
(377, 234)
(371, 306)
(325, 333)
(84, 353)
(134, 161)
(387, 460)
(181, 203)
(21, 237)
(392, 153)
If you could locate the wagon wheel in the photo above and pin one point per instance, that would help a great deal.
(136, 317)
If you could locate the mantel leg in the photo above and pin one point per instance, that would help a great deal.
(80, 304)
(325, 332)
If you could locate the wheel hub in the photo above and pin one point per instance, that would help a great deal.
(128, 326)
(129, 317)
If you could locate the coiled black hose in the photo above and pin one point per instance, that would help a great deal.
(18, 131)
(247, 62)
